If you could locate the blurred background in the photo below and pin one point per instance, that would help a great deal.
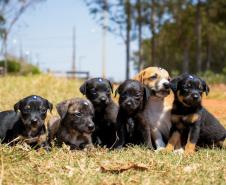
(113, 38)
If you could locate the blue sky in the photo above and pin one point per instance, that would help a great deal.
(45, 34)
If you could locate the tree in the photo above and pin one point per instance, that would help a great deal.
(10, 13)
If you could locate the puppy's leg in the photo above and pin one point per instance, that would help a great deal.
(120, 137)
(175, 138)
(158, 139)
(147, 137)
(192, 139)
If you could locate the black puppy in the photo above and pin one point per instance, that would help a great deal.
(28, 125)
(98, 91)
(191, 123)
(75, 125)
(132, 99)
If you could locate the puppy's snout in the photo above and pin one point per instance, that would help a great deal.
(195, 96)
(128, 103)
(103, 99)
(91, 127)
(166, 85)
(34, 120)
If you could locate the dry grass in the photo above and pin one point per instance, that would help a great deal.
(21, 165)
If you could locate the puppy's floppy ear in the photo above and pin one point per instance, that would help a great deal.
(83, 88)
(50, 106)
(111, 86)
(118, 90)
(17, 106)
(140, 77)
(62, 108)
(206, 88)
(146, 94)
(174, 83)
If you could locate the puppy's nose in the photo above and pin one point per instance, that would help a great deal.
(195, 96)
(166, 85)
(128, 103)
(91, 127)
(103, 99)
(34, 120)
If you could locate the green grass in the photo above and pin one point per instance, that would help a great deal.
(22, 165)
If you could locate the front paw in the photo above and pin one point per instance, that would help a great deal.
(169, 148)
(189, 149)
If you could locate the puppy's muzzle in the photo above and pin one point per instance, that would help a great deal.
(91, 127)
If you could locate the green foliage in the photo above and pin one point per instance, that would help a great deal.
(16, 66)
(212, 77)
(12, 66)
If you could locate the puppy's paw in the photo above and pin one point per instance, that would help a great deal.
(160, 149)
(89, 147)
(169, 148)
(189, 152)
(179, 151)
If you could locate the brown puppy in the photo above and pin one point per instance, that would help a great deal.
(157, 110)
(75, 125)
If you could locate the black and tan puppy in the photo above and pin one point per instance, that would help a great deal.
(28, 124)
(98, 91)
(191, 123)
(75, 125)
(132, 99)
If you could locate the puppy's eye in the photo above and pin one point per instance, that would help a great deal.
(154, 77)
(138, 95)
(43, 110)
(78, 114)
(189, 85)
(27, 109)
(108, 91)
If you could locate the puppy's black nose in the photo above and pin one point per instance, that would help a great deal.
(91, 127)
(195, 96)
(128, 103)
(166, 85)
(103, 99)
(34, 120)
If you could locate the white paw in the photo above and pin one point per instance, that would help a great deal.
(159, 149)
(179, 151)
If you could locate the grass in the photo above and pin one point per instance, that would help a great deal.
(22, 165)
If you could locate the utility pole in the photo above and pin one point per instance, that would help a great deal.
(73, 67)
(104, 33)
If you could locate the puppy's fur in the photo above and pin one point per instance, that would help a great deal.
(98, 91)
(191, 123)
(75, 125)
(28, 124)
(132, 99)
(157, 111)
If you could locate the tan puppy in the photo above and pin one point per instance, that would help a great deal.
(157, 111)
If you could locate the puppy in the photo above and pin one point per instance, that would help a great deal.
(132, 99)
(191, 123)
(98, 91)
(75, 125)
(28, 124)
(157, 110)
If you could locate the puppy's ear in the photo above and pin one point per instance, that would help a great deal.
(62, 108)
(118, 90)
(206, 88)
(111, 86)
(140, 77)
(17, 106)
(83, 88)
(174, 83)
(50, 106)
(146, 94)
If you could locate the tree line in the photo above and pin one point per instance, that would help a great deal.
(179, 35)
